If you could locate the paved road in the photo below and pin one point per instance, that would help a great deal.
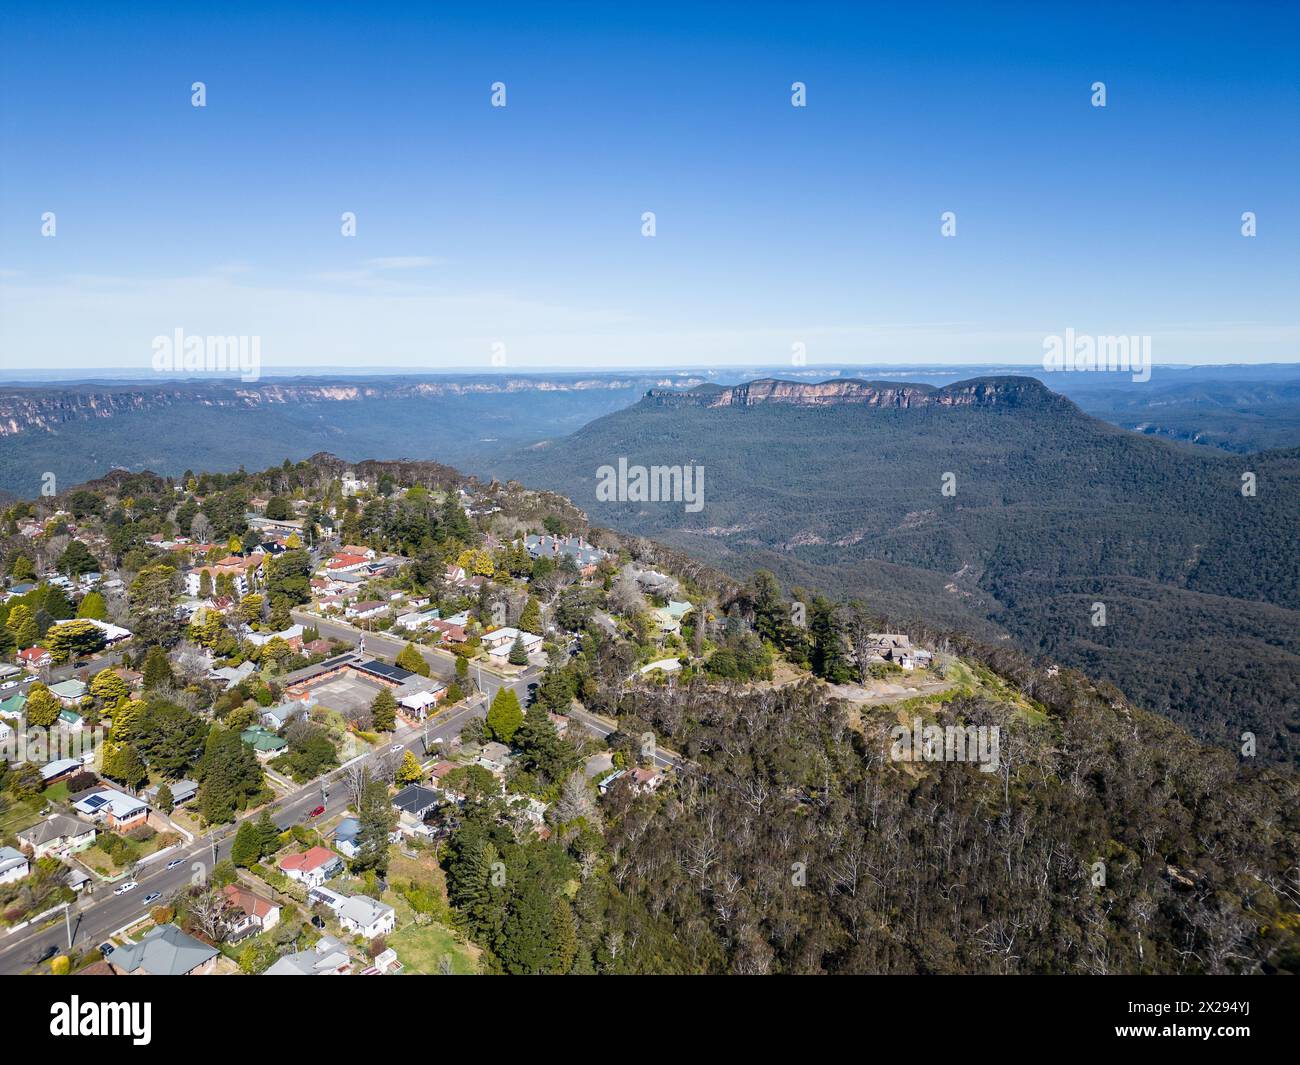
(664, 758)
(85, 668)
(98, 912)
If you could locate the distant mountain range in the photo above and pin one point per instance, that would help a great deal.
(840, 486)
(78, 429)
(836, 485)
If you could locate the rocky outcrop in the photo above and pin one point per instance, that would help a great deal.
(978, 392)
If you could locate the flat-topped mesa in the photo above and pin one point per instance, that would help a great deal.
(977, 392)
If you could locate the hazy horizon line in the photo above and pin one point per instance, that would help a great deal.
(14, 374)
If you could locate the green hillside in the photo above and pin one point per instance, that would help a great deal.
(1052, 512)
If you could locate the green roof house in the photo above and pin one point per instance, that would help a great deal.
(264, 742)
(68, 692)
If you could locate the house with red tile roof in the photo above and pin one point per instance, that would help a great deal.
(312, 867)
(34, 658)
(450, 633)
(249, 910)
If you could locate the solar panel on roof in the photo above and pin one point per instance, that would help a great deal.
(383, 669)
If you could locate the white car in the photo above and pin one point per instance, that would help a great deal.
(122, 889)
(396, 748)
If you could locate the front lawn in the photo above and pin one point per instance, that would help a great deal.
(111, 854)
(421, 950)
(57, 792)
(20, 815)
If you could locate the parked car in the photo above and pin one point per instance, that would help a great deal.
(122, 889)
(106, 948)
(47, 954)
(316, 812)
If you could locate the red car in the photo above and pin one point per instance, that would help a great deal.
(317, 812)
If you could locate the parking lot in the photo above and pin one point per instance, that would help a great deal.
(346, 694)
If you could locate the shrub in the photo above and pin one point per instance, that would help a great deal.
(81, 781)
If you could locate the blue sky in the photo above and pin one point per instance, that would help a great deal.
(521, 226)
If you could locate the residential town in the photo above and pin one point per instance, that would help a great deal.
(324, 690)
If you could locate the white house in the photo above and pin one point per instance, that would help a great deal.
(417, 705)
(13, 865)
(241, 571)
(328, 957)
(352, 484)
(112, 633)
(276, 717)
(58, 835)
(370, 608)
(313, 867)
(250, 910)
(663, 665)
(499, 642)
(417, 619)
(345, 562)
(261, 639)
(113, 808)
(366, 917)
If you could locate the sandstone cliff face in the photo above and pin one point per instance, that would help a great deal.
(980, 392)
(24, 410)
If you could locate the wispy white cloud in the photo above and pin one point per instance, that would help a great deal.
(369, 317)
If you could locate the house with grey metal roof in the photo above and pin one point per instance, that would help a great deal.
(556, 547)
(164, 951)
(328, 957)
(367, 917)
(182, 792)
(13, 865)
(276, 717)
(232, 675)
(58, 834)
